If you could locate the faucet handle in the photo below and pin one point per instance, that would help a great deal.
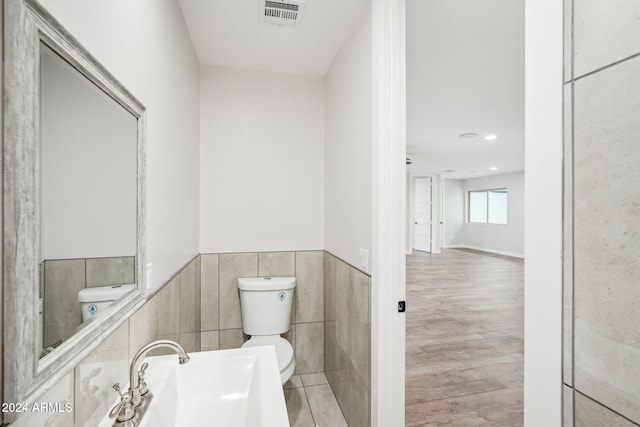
(143, 369)
(116, 387)
(142, 385)
(124, 410)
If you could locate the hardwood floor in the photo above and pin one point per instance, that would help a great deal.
(465, 339)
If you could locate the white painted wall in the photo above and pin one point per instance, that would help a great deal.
(88, 167)
(543, 208)
(145, 45)
(348, 180)
(505, 239)
(454, 203)
(261, 161)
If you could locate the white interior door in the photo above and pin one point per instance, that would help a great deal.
(422, 222)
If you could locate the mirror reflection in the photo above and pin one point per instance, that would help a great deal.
(88, 200)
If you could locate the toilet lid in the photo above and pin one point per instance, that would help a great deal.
(284, 350)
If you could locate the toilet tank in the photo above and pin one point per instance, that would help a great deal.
(266, 304)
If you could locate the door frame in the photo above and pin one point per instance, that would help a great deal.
(543, 205)
(388, 213)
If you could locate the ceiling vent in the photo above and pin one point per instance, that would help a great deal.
(283, 13)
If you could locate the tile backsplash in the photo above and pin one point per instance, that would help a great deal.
(89, 386)
(347, 295)
(200, 308)
(221, 319)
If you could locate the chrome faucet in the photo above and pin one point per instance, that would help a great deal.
(125, 411)
(183, 358)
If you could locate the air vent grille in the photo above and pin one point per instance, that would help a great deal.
(281, 13)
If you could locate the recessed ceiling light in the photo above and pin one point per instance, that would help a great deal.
(467, 135)
(493, 168)
(490, 137)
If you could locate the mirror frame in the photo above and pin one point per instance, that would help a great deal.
(26, 376)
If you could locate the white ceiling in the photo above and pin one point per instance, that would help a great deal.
(465, 73)
(465, 69)
(228, 33)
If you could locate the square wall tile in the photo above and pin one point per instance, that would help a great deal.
(97, 373)
(359, 324)
(62, 314)
(329, 287)
(143, 326)
(591, 414)
(62, 394)
(309, 347)
(343, 305)
(111, 271)
(281, 264)
(607, 237)
(309, 288)
(209, 292)
(189, 298)
(337, 373)
(604, 32)
(169, 308)
(190, 341)
(232, 267)
(232, 338)
(209, 340)
(163, 351)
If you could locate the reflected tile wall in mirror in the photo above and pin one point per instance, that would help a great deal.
(62, 280)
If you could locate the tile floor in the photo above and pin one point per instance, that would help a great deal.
(311, 403)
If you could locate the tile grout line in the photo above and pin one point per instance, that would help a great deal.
(611, 65)
(306, 396)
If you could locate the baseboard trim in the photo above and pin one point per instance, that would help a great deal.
(493, 251)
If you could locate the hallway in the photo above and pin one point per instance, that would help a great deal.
(464, 342)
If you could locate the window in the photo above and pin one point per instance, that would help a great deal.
(488, 206)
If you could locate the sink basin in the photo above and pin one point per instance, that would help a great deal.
(225, 388)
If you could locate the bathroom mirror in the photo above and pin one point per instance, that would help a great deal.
(73, 201)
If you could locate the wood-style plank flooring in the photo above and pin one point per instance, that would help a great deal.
(465, 339)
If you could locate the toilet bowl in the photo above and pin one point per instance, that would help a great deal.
(94, 301)
(265, 304)
(284, 353)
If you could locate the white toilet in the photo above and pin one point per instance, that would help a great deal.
(94, 301)
(266, 313)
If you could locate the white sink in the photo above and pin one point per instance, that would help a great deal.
(225, 388)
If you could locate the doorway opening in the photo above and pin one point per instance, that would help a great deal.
(465, 272)
(423, 214)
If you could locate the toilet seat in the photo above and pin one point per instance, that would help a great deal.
(284, 352)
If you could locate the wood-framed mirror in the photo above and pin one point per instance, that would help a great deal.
(73, 202)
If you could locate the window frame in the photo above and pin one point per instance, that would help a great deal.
(486, 191)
